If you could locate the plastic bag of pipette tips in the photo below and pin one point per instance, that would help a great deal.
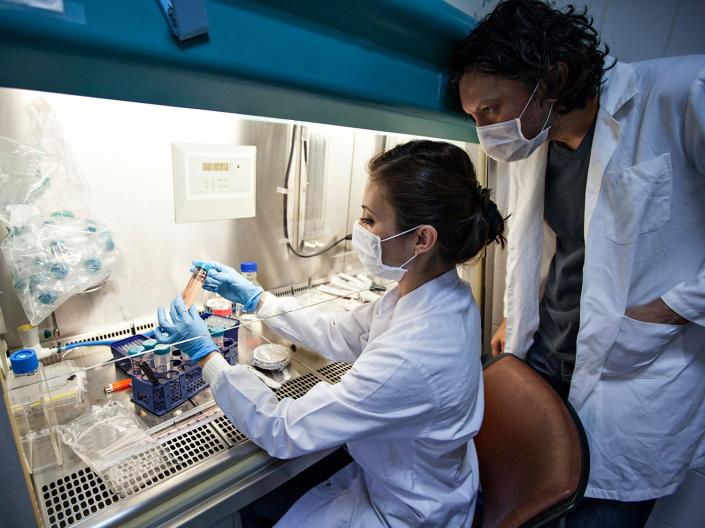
(115, 445)
(56, 247)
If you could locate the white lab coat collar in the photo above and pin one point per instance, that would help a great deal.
(427, 294)
(619, 86)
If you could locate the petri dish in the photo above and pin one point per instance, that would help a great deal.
(271, 357)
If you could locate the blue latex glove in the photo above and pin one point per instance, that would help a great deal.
(185, 324)
(228, 283)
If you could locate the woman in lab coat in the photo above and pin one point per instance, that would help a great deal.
(412, 402)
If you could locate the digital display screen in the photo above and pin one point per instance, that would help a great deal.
(209, 176)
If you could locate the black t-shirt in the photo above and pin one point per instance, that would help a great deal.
(566, 177)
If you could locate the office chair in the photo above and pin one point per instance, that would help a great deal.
(532, 449)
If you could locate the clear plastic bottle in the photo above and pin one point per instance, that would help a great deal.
(30, 400)
(194, 286)
(248, 269)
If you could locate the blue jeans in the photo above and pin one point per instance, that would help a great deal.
(590, 513)
(558, 372)
(603, 513)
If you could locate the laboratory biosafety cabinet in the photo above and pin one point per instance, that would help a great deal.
(154, 133)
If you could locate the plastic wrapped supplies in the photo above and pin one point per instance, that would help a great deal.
(54, 258)
(55, 247)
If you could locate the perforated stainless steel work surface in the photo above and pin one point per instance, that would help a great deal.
(334, 371)
(69, 499)
(228, 431)
(297, 387)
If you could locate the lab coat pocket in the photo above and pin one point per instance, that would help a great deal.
(638, 349)
(638, 199)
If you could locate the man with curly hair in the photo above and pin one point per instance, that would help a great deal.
(607, 160)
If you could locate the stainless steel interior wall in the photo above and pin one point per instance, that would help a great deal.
(124, 152)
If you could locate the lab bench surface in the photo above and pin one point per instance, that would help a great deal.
(211, 469)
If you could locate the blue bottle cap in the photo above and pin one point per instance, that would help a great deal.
(57, 246)
(203, 265)
(58, 270)
(20, 284)
(48, 297)
(248, 267)
(149, 344)
(24, 361)
(92, 264)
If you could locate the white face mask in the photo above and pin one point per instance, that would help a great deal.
(369, 249)
(505, 141)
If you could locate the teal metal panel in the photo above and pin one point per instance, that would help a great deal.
(377, 64)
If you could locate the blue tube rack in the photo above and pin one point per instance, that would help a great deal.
(172, 392)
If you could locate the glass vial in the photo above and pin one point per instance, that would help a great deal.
(193, 288)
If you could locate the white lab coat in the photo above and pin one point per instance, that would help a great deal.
(638, 387)
(408, 408)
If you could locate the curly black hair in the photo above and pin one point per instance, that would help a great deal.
(524, 40)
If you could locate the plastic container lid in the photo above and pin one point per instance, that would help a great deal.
(149, 344)
(24, 361)
(271, 356)
(134, 350)
(248, 267)
(162, 350)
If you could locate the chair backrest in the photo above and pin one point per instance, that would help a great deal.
(532, 449)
